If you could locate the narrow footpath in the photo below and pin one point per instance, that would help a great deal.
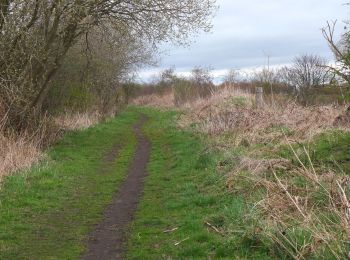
(107, 241)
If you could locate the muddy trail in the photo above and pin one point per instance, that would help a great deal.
(108, 239)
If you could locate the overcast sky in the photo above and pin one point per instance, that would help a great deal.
(245, 32)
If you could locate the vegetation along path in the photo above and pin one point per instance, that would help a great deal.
(92, 199)
(107, 241)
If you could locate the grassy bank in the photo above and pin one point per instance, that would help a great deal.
(186, 211)
(205, 196)
(47, 212)
(287, 164)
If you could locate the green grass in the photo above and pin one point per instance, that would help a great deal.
(332, 149)
(238, 101)
(47, 212)
(184, 191)
(329, 149)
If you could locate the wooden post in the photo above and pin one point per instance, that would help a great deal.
(259, 97)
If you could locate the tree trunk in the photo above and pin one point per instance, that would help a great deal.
(44, 87)
(4, 7)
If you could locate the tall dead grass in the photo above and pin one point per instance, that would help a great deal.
(302, 212)
(299, 211)
(155, 100)
(19, 151)
(233, 111)
(77, 121)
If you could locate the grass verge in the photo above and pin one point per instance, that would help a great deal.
(47, 212)
(186, 211)
(194, 206)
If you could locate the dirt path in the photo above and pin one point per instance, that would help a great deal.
(107, 241)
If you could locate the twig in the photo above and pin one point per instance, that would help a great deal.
(288, 194)
(213, 227)
(178, 243)
(345, 200)
(170, 230)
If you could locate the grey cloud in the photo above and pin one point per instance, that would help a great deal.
(246, 29)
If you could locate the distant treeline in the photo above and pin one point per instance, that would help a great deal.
(308, 81)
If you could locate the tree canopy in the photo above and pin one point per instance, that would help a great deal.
(36, 36)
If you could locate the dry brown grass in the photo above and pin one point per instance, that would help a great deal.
(21, 151)
(299, 210)
(77, 121)
(154, 100)
(233, 111)
(18, 153)
(302, 212)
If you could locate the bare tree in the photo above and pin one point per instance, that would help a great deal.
(202, 80)
(231, 77)
(37, 34)
(168, 77)
(306, 72)
(201, 76)
(303, 77)
(341, 51)
(264, 77)
(94, 69)
(164, 81)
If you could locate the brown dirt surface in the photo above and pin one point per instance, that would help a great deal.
(108, 239)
